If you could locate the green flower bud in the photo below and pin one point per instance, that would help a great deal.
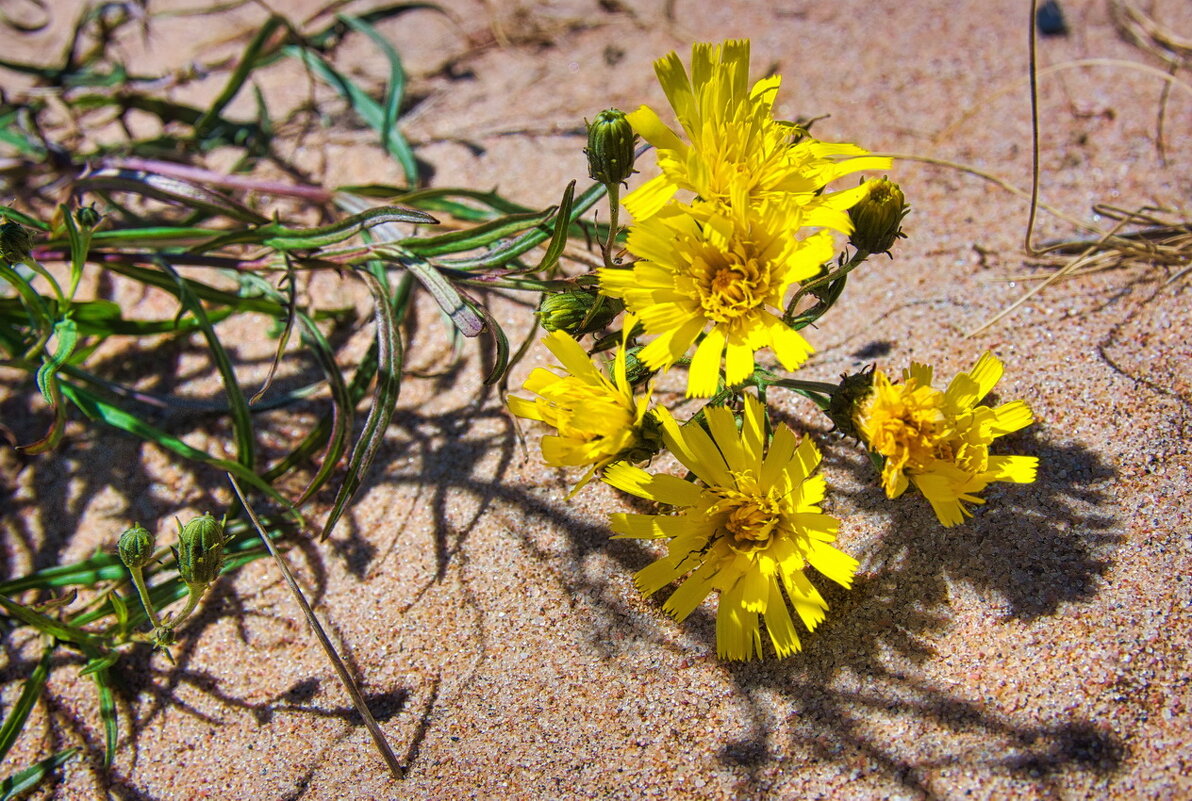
(610, 147)
(636, 370)
(88, 217)
(136, 546)
(649, 441)
(200, 550)
(16, 243)
(877, 219)
(566, 311)
(848, 397)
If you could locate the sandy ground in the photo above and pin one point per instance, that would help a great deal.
(1040, 651)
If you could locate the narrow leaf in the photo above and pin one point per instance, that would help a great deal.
(19, 783)
(14, 723)
(389, 364)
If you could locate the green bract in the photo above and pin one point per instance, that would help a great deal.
(610, 147)
(200, 550)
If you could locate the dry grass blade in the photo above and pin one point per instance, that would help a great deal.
(374, 728)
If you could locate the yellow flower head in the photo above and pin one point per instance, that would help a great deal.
(596, 420)
(728, 270)
(738, 153)
(940, 440)
(747, 530)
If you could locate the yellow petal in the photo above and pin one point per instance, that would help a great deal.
(704, 373)
(779, 625)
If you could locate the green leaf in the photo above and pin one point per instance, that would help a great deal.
(30, 777)
(14, 723)
(169, 189)
(47, 381)
(96, 408)
(389, 361)
(237, 403)
(248, 62)
(369, 110)
(478, 236)
(391, 138)
(562, 225)
(98, 671)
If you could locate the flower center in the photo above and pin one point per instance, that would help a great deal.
(907, 425)
(751, 520)
(731, 290)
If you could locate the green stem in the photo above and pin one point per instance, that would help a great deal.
(614, 210)
(196, 593)
(138, 578)
(827, 278)
(797, 384)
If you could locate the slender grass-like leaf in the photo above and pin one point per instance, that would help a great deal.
(80, 243)
(90, 571)
(291, 301)
(67, 335)
(14, 722)
(96, 408)
(562, 224)
(169, 189)
(90, 645)
(391, 138)
(279, 237)
(349, 683)
(22, 218)
(369, 110)
(237, 403)
(505, 253)
(478, 236)
(99, 672)
(35, 308)
(202, 291)
(343, 401)
(389, 364)
(19, 783)
(236, 81)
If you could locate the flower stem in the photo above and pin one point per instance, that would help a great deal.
(820, 309)
(138, 579)
(196, 593)
(614, 210)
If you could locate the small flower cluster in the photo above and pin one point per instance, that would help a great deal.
(733, 252)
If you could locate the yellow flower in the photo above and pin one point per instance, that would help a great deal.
(596, 420)
(939, 441)
(748, 530)
(729, 269)
(738, 154)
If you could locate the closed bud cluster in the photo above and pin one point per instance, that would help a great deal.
(877, 220)
(200, 550)
(610, 147)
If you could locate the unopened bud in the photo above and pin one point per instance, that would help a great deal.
(136, 546)
(88, 217)
(847, 398)
(610, 147)
(649, 441)
(568, 311)
(200, 550)
(877, 219)
(16, 243)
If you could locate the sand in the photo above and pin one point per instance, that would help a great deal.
(1039, 651)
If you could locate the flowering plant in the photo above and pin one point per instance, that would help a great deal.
(731, 252)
